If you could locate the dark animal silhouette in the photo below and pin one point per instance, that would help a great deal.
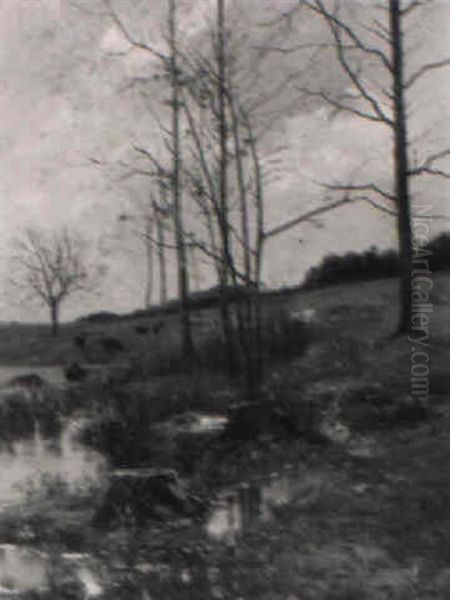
(80, 341)
(75, 372)
(112, 345)
(157, 327)
(141, 329)
(30, 380)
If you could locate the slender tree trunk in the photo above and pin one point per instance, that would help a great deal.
(160, 235)
(401, 170)
(195, 269)
(149, 257)
(245, 305)
(243, 199)
(259, 255)
(223, 192)
(54, 318)
(182, 266)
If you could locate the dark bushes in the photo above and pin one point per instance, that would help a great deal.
(353, 266)
(372, 264)
(102, 316)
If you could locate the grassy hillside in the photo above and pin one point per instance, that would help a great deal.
(366, 516)
(366, 309)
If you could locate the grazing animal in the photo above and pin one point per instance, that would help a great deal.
(112, 345)
(141, 329)
(75, 372)
(29, 381)
(80, 341)
(157, 327)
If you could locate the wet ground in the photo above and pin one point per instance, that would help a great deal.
(35, 466)
(26, 464)
(364, 517)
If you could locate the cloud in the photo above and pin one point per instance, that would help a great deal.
(65, 99)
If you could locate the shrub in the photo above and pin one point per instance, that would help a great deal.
(372, 264)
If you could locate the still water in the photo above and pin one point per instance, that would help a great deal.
(25, 569)
(21, 569)
(53, 375)
(241, 507)
(27, 463)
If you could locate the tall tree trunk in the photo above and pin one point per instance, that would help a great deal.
(54, 318)
(182, 266)
(149, 258)
(401, 170)
(246, 304)
(195, 279)
(259, 253)
(223, 192)
(161, 260)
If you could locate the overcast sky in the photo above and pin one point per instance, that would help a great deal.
(64, 73)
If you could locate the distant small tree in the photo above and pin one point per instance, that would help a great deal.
(51, 267)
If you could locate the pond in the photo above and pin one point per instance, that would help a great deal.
(239, 508)
(30, 464)
(26, 463)
(24, 569)
(21, 569)
(53, 375)
(194, 424)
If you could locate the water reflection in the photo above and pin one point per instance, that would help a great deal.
(53, 375)
(22, 569)
(240, 508)
(25, 464)
(194, 423)
(25, 569)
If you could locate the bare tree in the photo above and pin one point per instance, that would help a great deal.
(177, 190)
(382, 44)
(161, 214)
(169, 61)
(143, 221)
(51, 268)
(214, 102)
(149, 251)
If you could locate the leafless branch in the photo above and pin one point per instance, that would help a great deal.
(306, 217)
(360, 188)
(340, 106)
(161, 170)
(426, 69)
(129, 38)
(298, 47)
(52, 267)
(430, 171)
(88, 11)
(427, 168)
(379, 31)
(411, 7)
(337, 24)
(377, 205)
